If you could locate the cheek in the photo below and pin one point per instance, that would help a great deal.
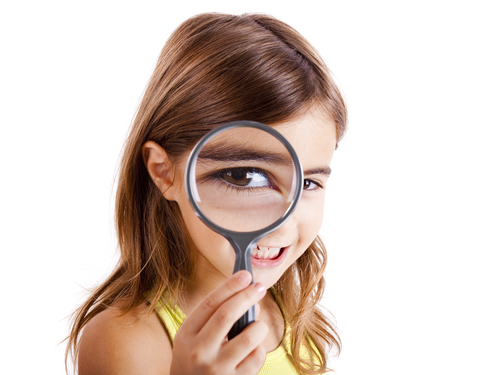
(201, 235)
(310, 216)
(208, 245)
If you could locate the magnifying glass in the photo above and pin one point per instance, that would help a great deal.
(243, 180)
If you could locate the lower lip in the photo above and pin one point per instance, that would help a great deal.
(270, 263)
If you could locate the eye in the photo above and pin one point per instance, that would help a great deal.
(249, 177)
(244, 178)
(311, 185)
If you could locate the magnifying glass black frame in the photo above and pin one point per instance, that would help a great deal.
(242, 242)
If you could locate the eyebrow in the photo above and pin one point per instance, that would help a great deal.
(325, 171)
(223, 152)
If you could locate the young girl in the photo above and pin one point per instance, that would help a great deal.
(175, 271)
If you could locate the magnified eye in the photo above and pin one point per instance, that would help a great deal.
(245, 177)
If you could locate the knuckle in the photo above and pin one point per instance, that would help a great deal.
(208, 303)
(199, 359)
(223, 314)
(246, 339)
(195, 356)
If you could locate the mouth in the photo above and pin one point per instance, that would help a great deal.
(268, 257)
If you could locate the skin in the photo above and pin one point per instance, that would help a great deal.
(138, 343)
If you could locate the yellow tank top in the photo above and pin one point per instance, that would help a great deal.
(277, 361)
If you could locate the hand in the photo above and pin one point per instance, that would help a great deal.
(201, 346)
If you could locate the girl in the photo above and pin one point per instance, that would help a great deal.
(173, 270)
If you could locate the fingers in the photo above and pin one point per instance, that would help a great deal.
(240, 347)
(230, 311)
(200, 344)
(253, 362)
(206, 308)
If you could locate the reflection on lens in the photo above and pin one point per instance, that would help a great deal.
(244, 179)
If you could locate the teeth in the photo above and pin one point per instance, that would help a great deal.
(264, 252)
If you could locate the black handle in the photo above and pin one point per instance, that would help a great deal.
(246, 319)
(243, 263)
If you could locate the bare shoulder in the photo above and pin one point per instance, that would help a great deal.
(134, 343)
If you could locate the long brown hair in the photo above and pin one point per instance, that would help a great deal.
(215, 68)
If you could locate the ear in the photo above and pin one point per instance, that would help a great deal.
(159, 167)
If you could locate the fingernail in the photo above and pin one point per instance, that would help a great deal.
(259, 287)
(244, 277)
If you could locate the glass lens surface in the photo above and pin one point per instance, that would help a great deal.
(245, 179)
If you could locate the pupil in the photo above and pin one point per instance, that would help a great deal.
(237, 174)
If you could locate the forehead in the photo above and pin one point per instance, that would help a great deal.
(313, 136)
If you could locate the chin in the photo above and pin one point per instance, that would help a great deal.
(266, 277)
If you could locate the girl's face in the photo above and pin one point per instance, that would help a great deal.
(313, 138)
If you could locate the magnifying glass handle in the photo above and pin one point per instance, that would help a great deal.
(245, 320)
(242, 263)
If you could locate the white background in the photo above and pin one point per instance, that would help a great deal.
(413, 218)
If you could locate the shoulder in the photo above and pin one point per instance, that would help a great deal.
(131, 343)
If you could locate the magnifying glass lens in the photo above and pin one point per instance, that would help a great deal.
(245, 179)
